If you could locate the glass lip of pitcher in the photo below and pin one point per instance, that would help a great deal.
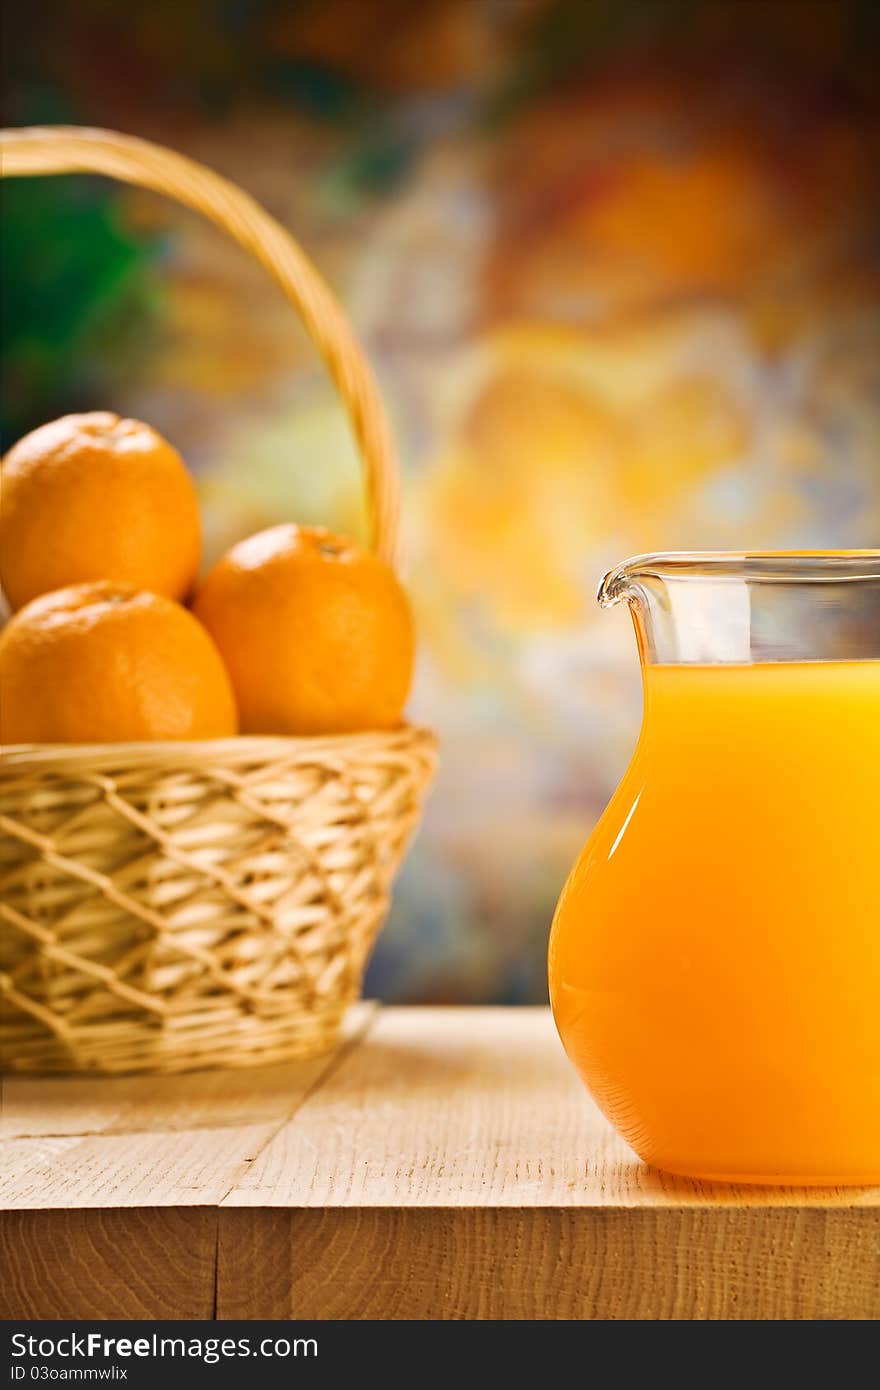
(754, 566)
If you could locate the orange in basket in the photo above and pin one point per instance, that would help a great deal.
(207, 901)
(103, 662)
(95, 497)
(316, 633)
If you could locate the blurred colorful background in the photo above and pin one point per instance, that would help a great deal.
(617, 264)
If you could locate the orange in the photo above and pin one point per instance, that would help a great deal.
(106, 662)
(316, 633)
(96, 497)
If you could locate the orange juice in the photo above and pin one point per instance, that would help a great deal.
(715, 955)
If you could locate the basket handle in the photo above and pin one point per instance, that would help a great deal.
(79, 149)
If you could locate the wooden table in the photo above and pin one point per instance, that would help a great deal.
(444, 1163)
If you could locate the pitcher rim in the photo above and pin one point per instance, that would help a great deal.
(758, 566)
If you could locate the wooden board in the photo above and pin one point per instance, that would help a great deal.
(446, 1164)
(146, 1141)
(556, 1262)
(109, 1187)
(135, 1262)
(463, 1107)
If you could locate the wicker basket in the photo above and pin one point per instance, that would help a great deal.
(176, 905)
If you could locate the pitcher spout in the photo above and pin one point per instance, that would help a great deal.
(614, 586)
(711, 607)
(627, 580)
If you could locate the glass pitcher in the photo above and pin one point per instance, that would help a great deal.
(715, 953)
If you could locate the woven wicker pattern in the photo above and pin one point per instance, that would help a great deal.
(173, 905)
(215, 901)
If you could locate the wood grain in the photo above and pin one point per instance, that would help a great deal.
(527, 1263)
(146, 1142)
(150, 1263)
(109, 1187)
